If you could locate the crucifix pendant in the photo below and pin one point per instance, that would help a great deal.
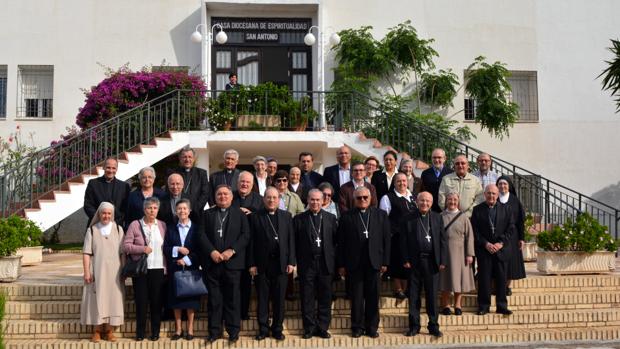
(220, 231)
(428, 238)
(318, 242)
(276, 238)
(365, 233)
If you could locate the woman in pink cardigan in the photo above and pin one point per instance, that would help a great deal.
(146, 236)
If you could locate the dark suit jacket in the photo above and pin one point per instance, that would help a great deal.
(347, 201)
(504, 226)
(253, 202)
(135, 204)
(311, 179)
(96, 193)
(236, 236)
(195, 186)
(262, 237)
(410, 250)
(302, 192)
(255, 186)
(350, 239)
(173, 238)
(379, 180)
(430, 183)
(331, 175)
(219, 178)
(304, 241)
(166, 214)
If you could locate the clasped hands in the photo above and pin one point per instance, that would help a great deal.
(184, 251)
(407, 265)
(254, 271)
(218, 257)
(493, 248)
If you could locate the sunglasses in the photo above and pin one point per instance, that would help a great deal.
(364, 197)
(280, 180)
(327, 194)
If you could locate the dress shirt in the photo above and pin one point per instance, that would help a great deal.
(183, 230)
(262, 185)
(295, 186)
(389, 178)
(488, 178)
(155, 259)
(344, 174)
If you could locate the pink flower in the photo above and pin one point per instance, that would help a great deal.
(10, 139)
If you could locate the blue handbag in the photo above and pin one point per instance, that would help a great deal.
(189, 283)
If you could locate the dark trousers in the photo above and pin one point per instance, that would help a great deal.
(316, 286)
(224, 299)
(147, 291)
(365, 283)
(490, 267)
(270, 287)
(246, 290)
(424, 275)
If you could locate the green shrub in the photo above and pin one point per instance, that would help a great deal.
(584, 234)
(16, 232)
(2, 312)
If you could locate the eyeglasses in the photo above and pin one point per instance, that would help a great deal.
(359, 170)
(327, 194)
(280, 180)
(363, 197)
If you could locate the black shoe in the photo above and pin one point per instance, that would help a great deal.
(508, 291)
(357, 333)
(446, 311)
(373, 334)
(504, 311)
(323, 334)
(290, 297)
(483, 311)
(436, 333)
(154, 338)
(189, 337)
(307, 335)
(212, 337)
(176, 337)
(278, 336)
(260, 336)
(412, 333)
(245, 317)
(400, 295)
(458, 311)
(139, 339)
(232, 339)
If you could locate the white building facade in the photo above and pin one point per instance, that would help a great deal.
(51, 50)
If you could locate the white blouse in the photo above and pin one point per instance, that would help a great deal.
(155, 259)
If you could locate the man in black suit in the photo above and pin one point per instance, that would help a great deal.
(229, 176)
(174, 193)
(432, 176)
(195, 180)
(249, 202)
(315, 245)
(109, 189)
(383, 180)
(425, 252)
(492, 224)
(347, 200)
(363, 254)
(309, 178)
(339, 174)
(271, 258)
(223, 243)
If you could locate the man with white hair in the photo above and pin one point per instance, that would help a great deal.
(464, 183)
(228, 176)
(432, 176)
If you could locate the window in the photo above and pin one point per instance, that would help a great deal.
(524, 93)
(3, 91)
(35, 91)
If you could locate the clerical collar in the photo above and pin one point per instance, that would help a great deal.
(229, 171)
(188, 169)
(315, 214)
(491, 206)
(176, 197)
(362, 211)
(109, 180)
(424, 215)
(223, 209)
(271, 212)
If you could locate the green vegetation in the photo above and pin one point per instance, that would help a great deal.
(584, 234)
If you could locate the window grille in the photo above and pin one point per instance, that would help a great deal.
(35, 91)
(3, 78)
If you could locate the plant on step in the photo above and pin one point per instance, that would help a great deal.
(611, 74)
(528, 226)
(584, 234)
(16, 232)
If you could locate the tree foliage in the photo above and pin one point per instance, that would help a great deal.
(438, 89)
(611, 75)
(409, 51)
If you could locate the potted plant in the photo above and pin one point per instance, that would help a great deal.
(529, 250)
(31, 248)
(10, 241)
(581, 246)
(220, 111)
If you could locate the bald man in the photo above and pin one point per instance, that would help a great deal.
(339, 174)
(432, 176)
(174, 193)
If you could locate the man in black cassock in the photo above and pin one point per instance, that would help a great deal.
(228, 176)
(363, 254)
(315, 249)
(271, 257)
(223, 242)
(425, 252)
(249, 202)
(107, 188)
(196, 180)
(492, 224)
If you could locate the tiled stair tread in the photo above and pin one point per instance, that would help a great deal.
(587, 334)
(39, 309)
(389, 323)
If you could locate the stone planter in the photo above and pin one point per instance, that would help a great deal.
(264, 121)
(31, 255)
(552, 262)
(10, 268)
(529, 251)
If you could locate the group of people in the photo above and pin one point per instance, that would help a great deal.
(354, 222)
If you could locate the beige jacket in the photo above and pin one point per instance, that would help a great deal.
(469, 189)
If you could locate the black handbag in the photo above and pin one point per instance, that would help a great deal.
(189, 283)
(136, 268)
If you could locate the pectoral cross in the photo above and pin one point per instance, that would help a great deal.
(318, 241)
(428, 238)
(365, 233)
(220, 231)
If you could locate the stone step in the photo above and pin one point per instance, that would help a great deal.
(70, 309)
(530, 285)
(585, 335)
(390, 323)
